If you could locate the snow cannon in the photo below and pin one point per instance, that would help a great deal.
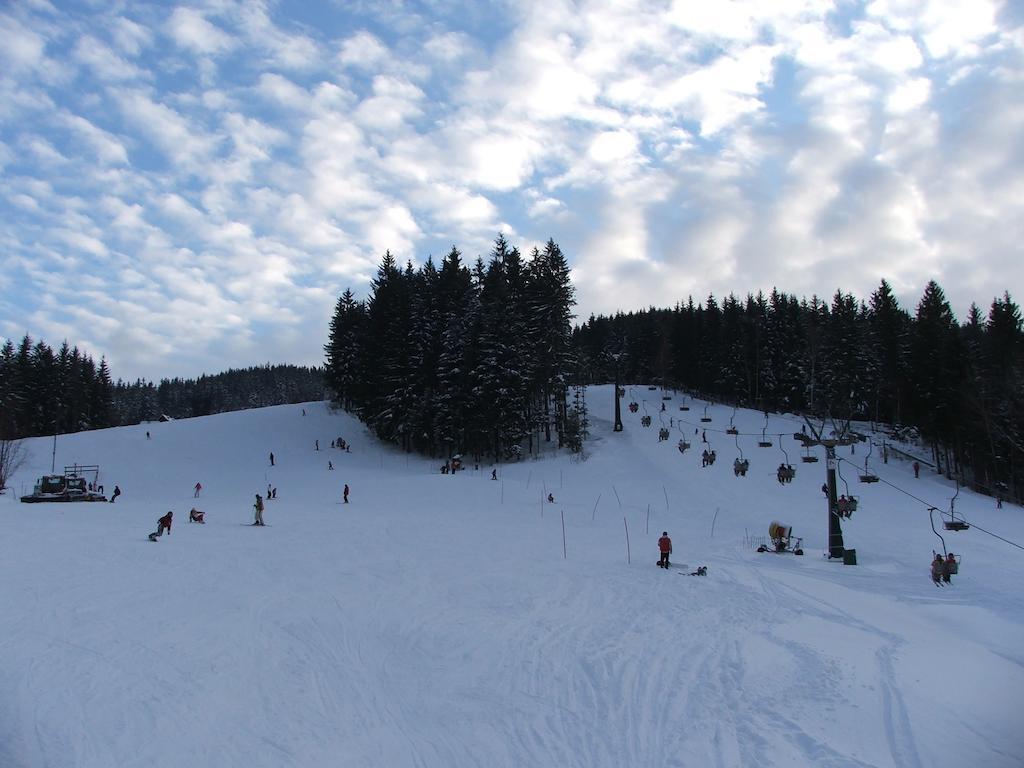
(781, 536)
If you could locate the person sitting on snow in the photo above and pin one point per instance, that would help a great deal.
(196, 516)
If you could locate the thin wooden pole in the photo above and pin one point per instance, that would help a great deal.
(593, 515)
(564, 556)
(617, 497)
(647, 522)
(713, 523)
(628, 556)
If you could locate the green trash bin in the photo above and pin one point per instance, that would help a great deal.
(849, 557)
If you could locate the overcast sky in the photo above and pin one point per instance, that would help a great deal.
(189, 188)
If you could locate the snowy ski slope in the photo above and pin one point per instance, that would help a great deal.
(433, 621)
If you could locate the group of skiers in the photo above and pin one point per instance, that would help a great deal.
(942, 570)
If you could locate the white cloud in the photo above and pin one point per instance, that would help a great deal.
(130, 38)
(108, 149)
(190, 29)
(104, 63)
(363, 51)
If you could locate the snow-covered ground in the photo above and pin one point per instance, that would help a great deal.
(433, 621)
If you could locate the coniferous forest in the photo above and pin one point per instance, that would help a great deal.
(43, 392)
(450, 360)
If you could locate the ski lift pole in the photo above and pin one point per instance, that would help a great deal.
(931, 517)
(835, 530)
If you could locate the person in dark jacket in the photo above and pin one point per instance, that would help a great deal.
(665, 547)
(117, 492)
(938, 568)
(196, 516)
(344, 494)
(162, 524)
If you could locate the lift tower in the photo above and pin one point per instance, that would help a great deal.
(840, 435)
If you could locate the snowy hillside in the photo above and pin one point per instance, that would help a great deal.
(433, 621)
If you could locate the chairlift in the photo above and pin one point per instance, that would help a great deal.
(731, 430)
(741, 464)
(705, 418)
(764, 442)
(867, 476)
(846, 505)
(946, 525)
(786, 472)
(956, 521)
(808, 457)
(682, 405)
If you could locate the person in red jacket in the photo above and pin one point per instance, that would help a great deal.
(161, 524)
(665, 547)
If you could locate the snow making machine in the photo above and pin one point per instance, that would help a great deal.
(782, 540)
(73, 485)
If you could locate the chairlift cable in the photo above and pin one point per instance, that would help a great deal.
(935, 506)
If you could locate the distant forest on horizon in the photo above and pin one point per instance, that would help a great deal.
(484, 358)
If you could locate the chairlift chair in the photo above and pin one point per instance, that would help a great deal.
(867, 476)
(731, 429)
(808, 458)
(764, 442)
(705, 418)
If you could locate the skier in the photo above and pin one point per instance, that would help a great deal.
(551, 498)
(344, 494)
(196, 516)
(917, 470)
(271, 458)
(330, 464)
(199, 487)
(117, 492)
(494, 474)
(162, 524)
(665, 547)
(938, 566)
(258, 506)
(316, 445)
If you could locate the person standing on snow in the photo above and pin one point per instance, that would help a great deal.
(271, 458)
(344, 494)
(258, 507)
(162, 524)
(665, 547)
(199, 487)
